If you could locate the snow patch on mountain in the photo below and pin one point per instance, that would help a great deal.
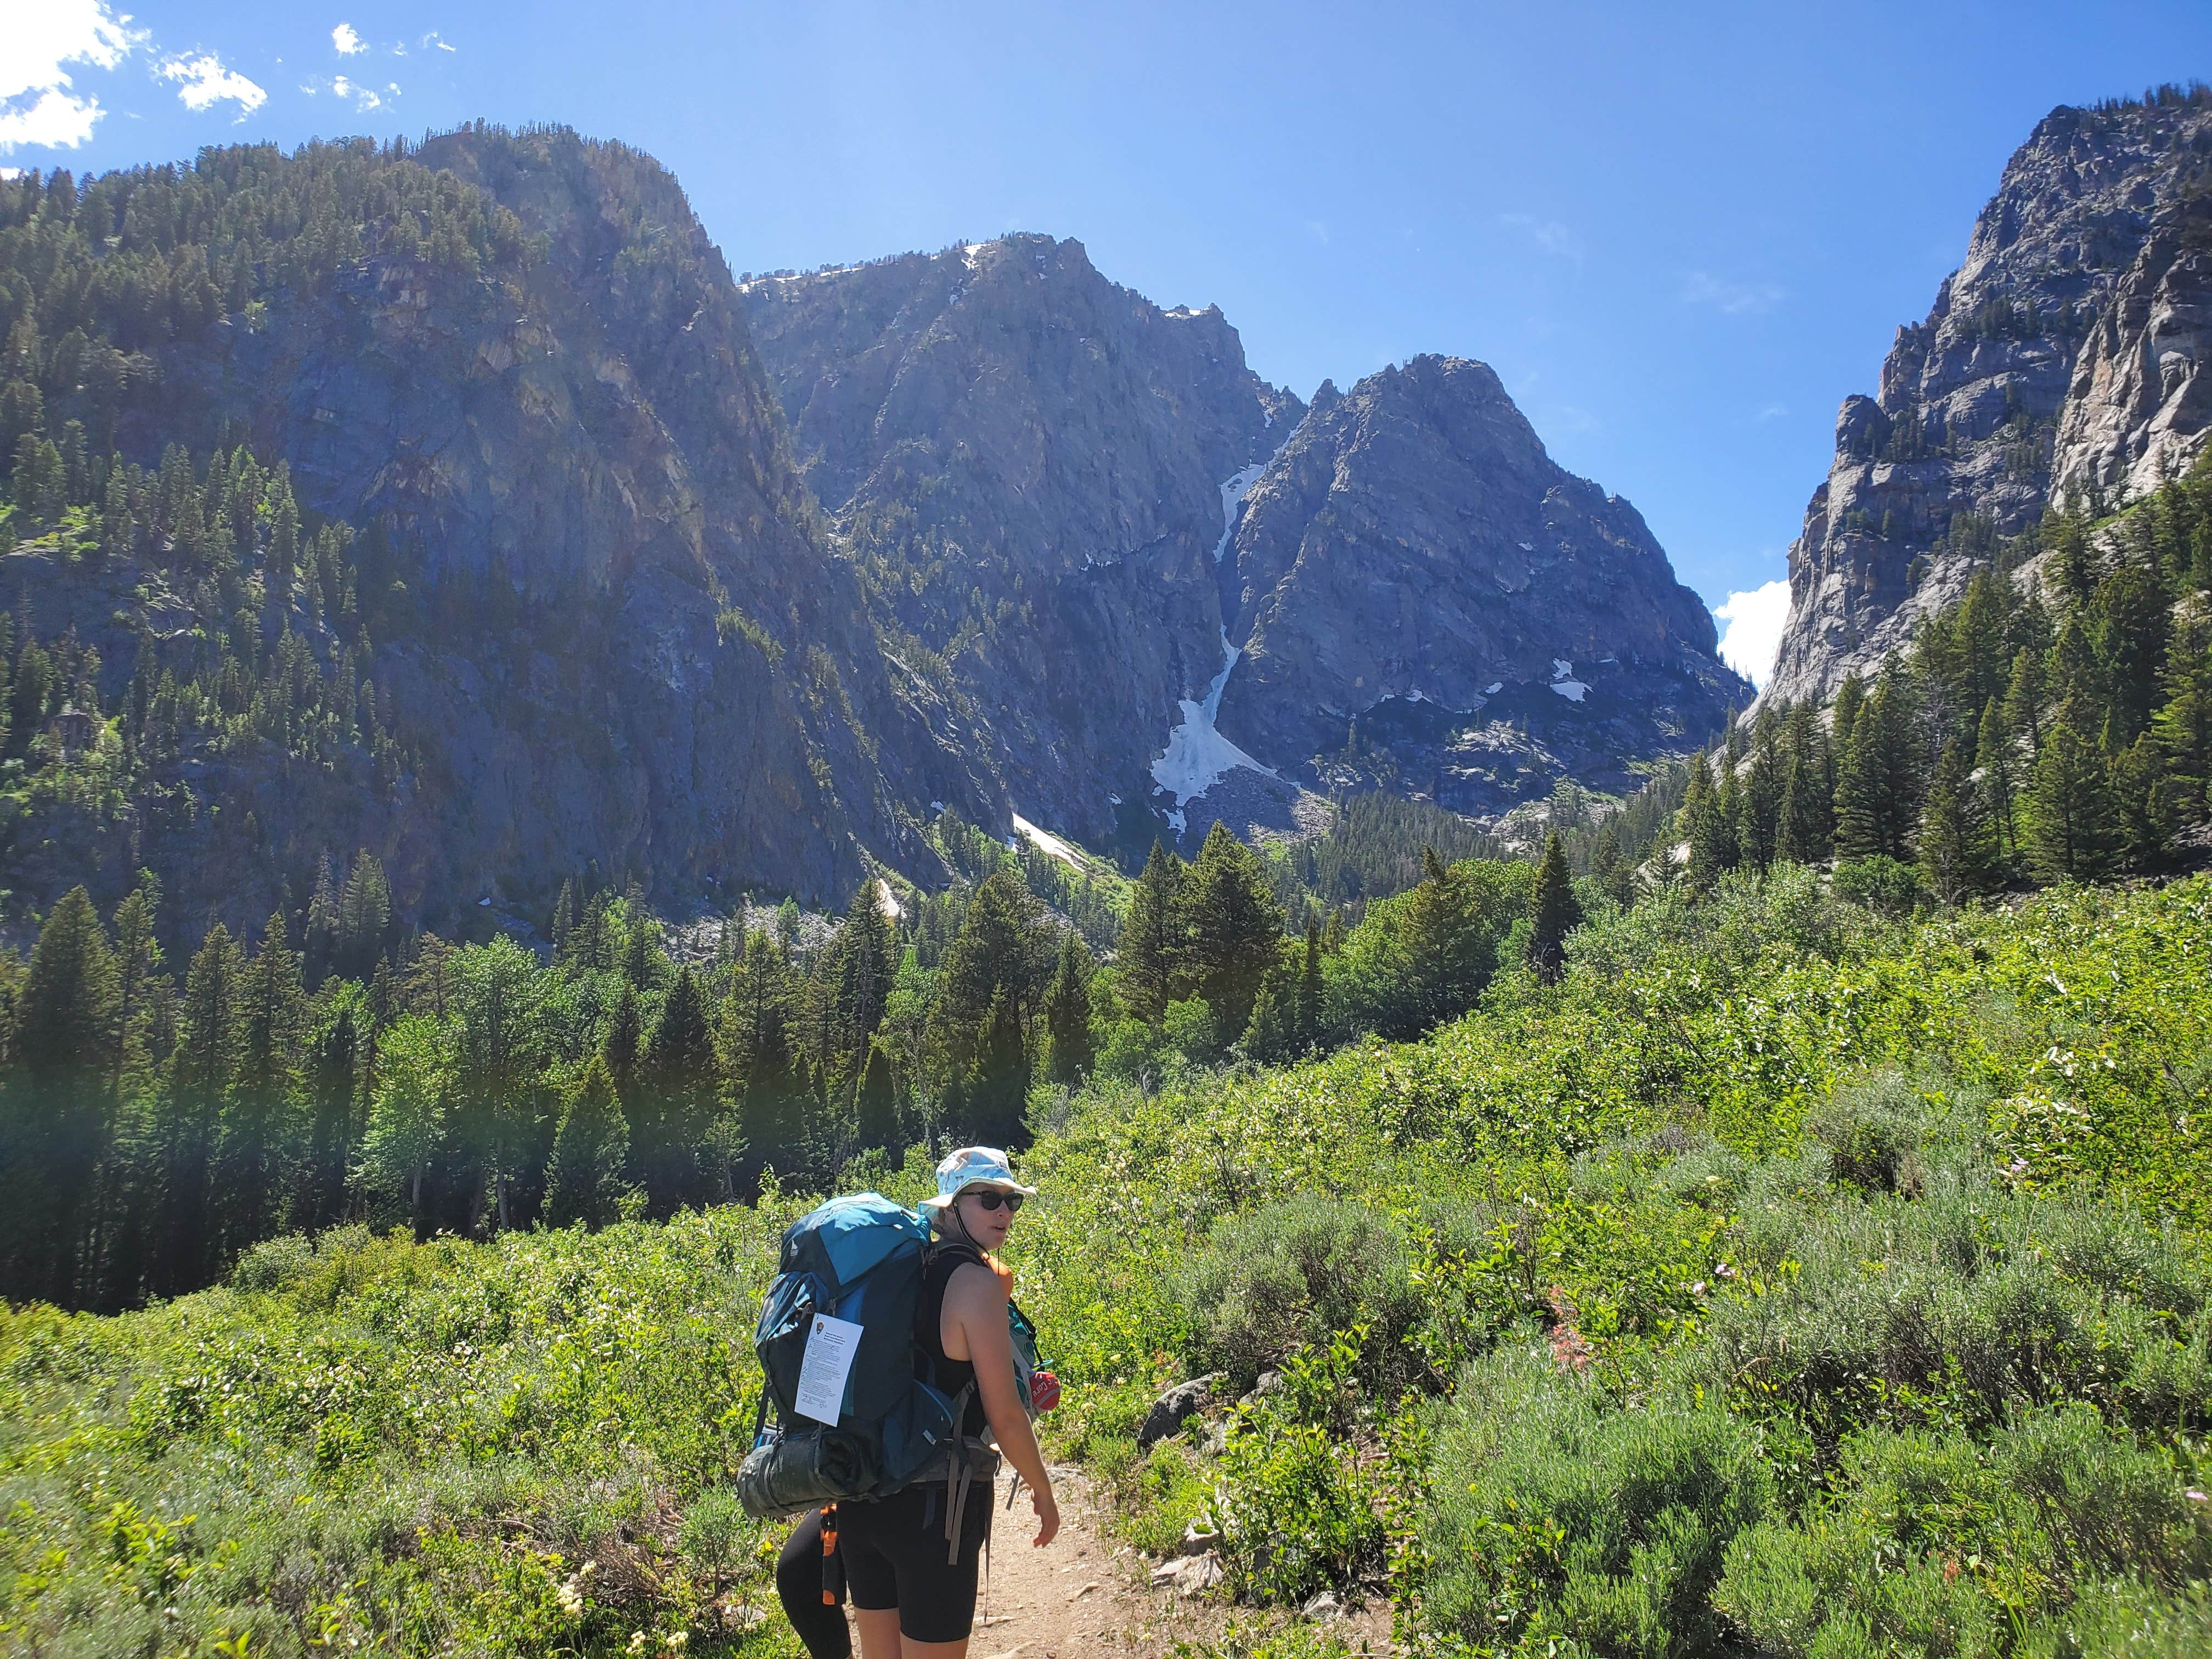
(1198, 757)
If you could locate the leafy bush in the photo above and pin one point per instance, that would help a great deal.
(1935, 1543)
(1560, 1515)
(1882, 885)
(1292, 1275)
(1295, 1506)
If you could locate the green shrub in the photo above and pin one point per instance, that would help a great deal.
(1294, 1505)
(1962, 1306)
(1935, 1543)
(1882, 885)
(1292, 1275)
(1561, 1516)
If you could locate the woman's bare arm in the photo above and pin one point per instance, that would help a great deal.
(975, 1303)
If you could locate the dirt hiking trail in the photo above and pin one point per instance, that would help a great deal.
(1086, 1596)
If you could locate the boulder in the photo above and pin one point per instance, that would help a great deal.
(1175, 1408)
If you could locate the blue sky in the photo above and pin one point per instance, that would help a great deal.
(1680, 234)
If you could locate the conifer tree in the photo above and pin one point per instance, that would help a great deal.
(364, 917)
(2182, 725)
(271, 1004)
(137, 966)
(203, 1072)
(59, 1115)
(1758, 805)
(1067, 1014)
(1553, 910)
(865, 967)
(1233, 928)
(1997, 765)
(1147, 959)
(1710, 836)
(1877, 790)
(2027, 697)
(2068, 828)
(1804, 831)
(677, 1103)
(875, 1102)
(590, 1150)
(1955, 855)
(624, 1042)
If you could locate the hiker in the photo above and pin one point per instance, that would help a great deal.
(890, 1553)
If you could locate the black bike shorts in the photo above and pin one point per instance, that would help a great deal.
(894, 1552)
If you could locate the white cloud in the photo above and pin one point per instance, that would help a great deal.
(1774, 412)
(1733, 299)
(1754, 623)
(347, 41)
(204, 82)
(434, 39)
(1548, 234)
(37, 106)
(363, 97)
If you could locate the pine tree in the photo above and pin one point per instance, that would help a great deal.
(2182, 725)
(1877, 790)
(1067, 1014)
(201, 1073)
(1710, 836)
(875, 1102)
(864, 966)
(59, 1115)
(1758, 805)
(255, 1127)
(1553, 910)
(1997, 766)
(590, 1150)
(1147, 959)
(624, 1042)
(641, 954)
(993, 976)
(677, 1103)
(1955, 852)
(1233, 927)
(2027, 697)
(364, 917)
(2069, 829)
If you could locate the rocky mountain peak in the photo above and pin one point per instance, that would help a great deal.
(1997, 392)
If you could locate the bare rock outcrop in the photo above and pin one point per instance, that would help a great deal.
(1958, 448)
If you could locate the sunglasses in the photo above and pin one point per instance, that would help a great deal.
(991, 1198)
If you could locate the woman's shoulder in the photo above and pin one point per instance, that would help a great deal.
(978, 1278)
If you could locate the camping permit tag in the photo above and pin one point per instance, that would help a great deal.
(830, 1346)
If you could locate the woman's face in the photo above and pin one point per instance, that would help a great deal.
(987, 1227)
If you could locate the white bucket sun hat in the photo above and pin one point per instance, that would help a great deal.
(974, 1166)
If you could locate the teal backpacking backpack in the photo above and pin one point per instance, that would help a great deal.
(858, 1262)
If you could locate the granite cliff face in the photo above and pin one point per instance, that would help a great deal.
(1426, 600)
(604, 595)
(1087, 508)
(2061, 353)
(2139, 411)
(1031, 466)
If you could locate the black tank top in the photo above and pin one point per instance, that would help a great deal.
(932, 1364)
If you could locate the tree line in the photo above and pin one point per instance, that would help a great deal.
(157, 1117)
(2056, 723)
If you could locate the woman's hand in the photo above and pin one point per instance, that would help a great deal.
(1048, 1515)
